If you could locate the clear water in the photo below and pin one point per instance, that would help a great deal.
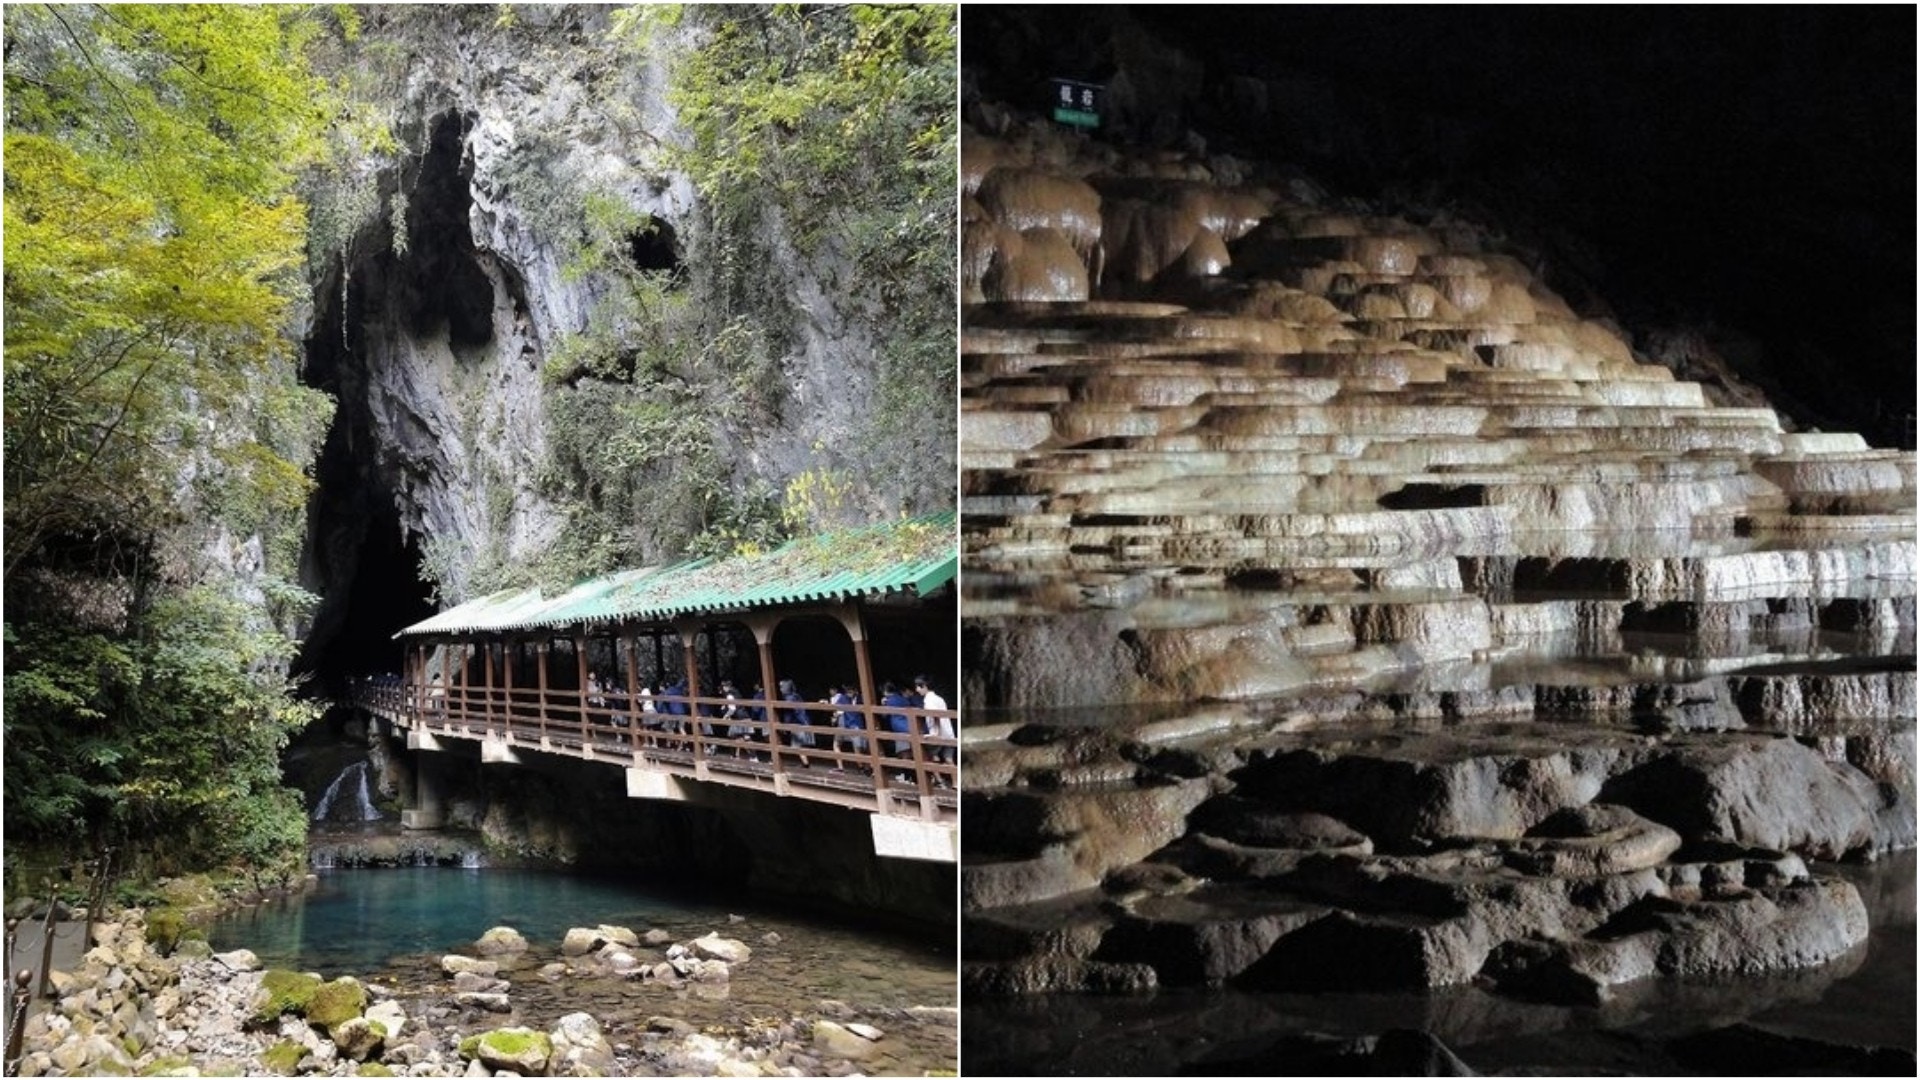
(392, 926)
(1865, 998)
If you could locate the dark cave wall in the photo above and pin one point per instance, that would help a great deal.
(1738, 182)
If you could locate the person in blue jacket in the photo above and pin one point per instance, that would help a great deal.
(849, 719)
(898, 723)
(793, 722)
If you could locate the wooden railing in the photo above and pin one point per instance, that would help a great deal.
(908, 773)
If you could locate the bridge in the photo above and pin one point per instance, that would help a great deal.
(519, 673)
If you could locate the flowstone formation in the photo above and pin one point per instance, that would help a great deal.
(1349, 613)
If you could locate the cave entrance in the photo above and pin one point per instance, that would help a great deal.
(655, 248)
(365, 568)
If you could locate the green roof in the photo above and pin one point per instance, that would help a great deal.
(912, 554)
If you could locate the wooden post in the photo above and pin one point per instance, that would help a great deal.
(634, 716)
(770, 690)
(540, 661)
(446, 683)
(508, 649)
(488, 645)
(580, 658)
(693, 691)
(857, 629)
(659, 656)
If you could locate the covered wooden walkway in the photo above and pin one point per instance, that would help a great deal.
(631, 669)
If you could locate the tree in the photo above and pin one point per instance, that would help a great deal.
(152, 407)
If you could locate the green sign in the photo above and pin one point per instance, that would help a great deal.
(1077, 103)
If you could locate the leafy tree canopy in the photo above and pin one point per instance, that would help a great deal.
(153, 251)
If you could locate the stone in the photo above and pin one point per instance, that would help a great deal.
(520, 1049)
(489, 1002)
(657, 937)
(579, 941)
(619, 935)
(390, 1015)
(239, 960)
(468, 982)
(455, 964)
(359, 1038)
(500, 939)
(580, 1047)
(834, 1040)
(670, 1025)
(336, 1002)
(715, 947)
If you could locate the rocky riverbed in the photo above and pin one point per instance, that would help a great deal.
(511, 1008)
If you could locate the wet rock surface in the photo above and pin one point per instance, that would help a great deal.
(1347, 614)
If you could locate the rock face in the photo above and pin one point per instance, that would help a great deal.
(456, 286)
(1413, 630)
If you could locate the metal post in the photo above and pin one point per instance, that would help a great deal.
(17, 1021)
(98, 896)
(46, 941)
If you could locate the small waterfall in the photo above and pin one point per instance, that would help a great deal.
(470, 860)
(361, 807)
(321, 860)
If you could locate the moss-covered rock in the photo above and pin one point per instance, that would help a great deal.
(165, 927)
(165, 1066)
(283, 992)
(374, 1068)
(336, 1002)
(283, 1057)
(523, 1050)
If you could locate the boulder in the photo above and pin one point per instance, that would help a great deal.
(468, 982)
(454, 964)
(389, 1015)
(522, 1050)
(579, 942)
(835, 1040)
(619, 935)
(580, 1048)
(489, 1002)
(500, 940)
(715, 947)
(335, 1003)
(359, 1038)
(238, 960)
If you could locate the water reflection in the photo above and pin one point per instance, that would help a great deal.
(1865, 998)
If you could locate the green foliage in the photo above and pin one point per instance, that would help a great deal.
(154, 414)
(174, 731)
(836, 123)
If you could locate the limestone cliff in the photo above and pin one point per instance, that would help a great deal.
(553, 354)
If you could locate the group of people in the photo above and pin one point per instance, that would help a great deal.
(665, 713)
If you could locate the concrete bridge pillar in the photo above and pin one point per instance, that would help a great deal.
(429, 810)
